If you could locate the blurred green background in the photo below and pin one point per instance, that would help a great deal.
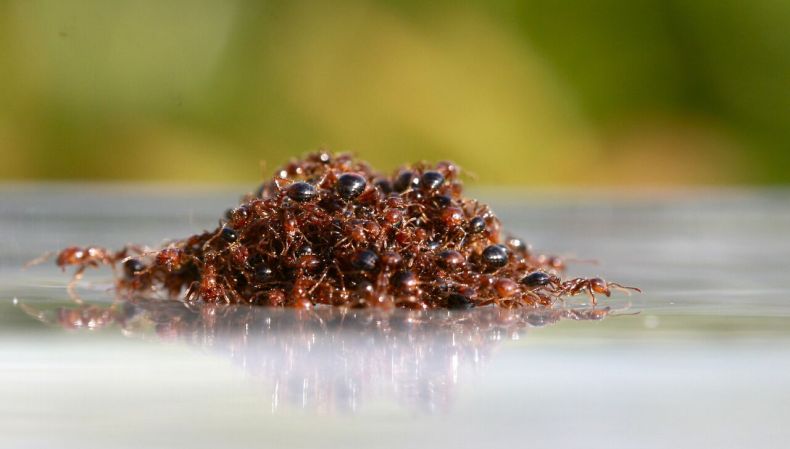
(528, 92)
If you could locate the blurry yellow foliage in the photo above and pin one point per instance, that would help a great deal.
(200, 91)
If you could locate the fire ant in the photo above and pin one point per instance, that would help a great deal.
(91, 256)
(172, 258)
(209, 288)
(591, 286)
(84, 258)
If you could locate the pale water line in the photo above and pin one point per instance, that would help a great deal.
(716, 292)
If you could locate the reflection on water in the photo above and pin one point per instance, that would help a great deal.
(705, 364)
(329, 359)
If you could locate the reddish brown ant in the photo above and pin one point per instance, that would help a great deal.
(172, 258)
(83, 258)
(91, 256)
(209, 288)
(591, 286)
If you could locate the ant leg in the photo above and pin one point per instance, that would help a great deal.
(193, 290)
(71, 288)
(623, 288)
(591, 294)
(556, 297)
(211, 239)
(320, 280)
(342, 241)
(234, 297)
(336, 266)
(511, 304)
(226, 296)
(38, 260)
(533, 295)
(72, 292)
(256, 297)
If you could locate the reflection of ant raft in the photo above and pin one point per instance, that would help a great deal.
(328, 358)
(329, 230)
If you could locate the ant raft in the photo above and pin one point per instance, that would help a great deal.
(328, 229)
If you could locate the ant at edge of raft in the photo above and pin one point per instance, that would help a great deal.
(84, 258)
(591, 286)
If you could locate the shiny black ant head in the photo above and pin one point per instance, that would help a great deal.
(477, 225)
(496, 256)
(133, 267)
(350, 185)
(431, 180)
(365, 260)
(229, 234)
(301, 192)
(536, 279)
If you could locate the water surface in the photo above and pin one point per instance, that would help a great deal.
(701, 359)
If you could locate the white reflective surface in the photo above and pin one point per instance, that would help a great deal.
(705, 362)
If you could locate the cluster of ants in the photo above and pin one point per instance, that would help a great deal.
(327, 229)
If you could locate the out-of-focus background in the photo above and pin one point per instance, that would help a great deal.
(533, 92)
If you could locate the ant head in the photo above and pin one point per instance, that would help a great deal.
(598, 285)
